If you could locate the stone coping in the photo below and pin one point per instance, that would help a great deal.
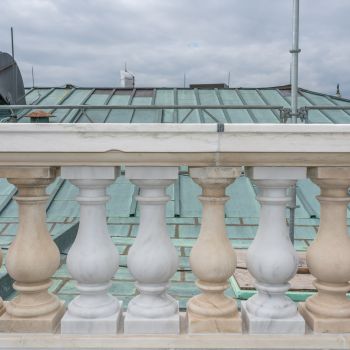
(175, 144)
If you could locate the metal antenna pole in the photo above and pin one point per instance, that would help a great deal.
(12, 46)
(295, 60)
(33, 76)
(294, 72)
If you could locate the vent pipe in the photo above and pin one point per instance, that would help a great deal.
(39, 116)
(338, 94)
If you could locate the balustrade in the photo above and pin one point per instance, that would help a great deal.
(93, 259)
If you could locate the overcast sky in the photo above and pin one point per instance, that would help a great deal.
(86, 42)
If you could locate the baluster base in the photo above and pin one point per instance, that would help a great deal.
(198, 324)
(41, 324)
(71, 324)
(260, 325)
(2, 307)
(327, 324)
(213, 312)
(143, 325)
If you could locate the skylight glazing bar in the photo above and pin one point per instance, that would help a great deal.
(80, 108)
(263, 98)
(107, 102)
(221, 102)
(200, 111)
(334, 104)
(321, 111)
(251, 114)
(130, 104)
(176, 103)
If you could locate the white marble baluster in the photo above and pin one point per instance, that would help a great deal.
(93, 259)
(271, 258)
(213, 260)
(328, 257)
(152, 260)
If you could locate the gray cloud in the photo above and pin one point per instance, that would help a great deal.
(86, 42)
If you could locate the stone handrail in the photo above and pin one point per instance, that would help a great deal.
(175, 144)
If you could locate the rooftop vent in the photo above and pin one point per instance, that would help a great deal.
(39, 116)
(127, 79)
(209, 86)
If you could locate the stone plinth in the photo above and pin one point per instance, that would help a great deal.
(48, 323)
(71, 324)
(263, 325)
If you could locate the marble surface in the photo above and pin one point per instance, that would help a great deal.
(152, 259)
(151, 173)
(92, 259)
(174, 342)
(71, 324)
(174, 144)
(210, 325)
(324, 324)
(89, 172)
(328, 255)
(260, 325)
(47, 323)
(32, 258)
(212, 258)
(276, 173)
(142, 325)
(271, 258)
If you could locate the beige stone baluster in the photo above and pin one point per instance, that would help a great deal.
(33, 257)
(328, 257)
(212, 258)
(2, 306)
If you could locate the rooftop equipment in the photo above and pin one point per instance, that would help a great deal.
(127, 79)
(11, 85)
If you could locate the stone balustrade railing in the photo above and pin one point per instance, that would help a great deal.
(90, 156)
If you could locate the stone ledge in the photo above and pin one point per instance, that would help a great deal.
(183, 341)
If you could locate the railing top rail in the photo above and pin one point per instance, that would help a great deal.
(91, 107)
(175, 144)
(147, 107)
(174, 127)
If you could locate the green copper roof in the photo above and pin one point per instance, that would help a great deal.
(279, 96)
